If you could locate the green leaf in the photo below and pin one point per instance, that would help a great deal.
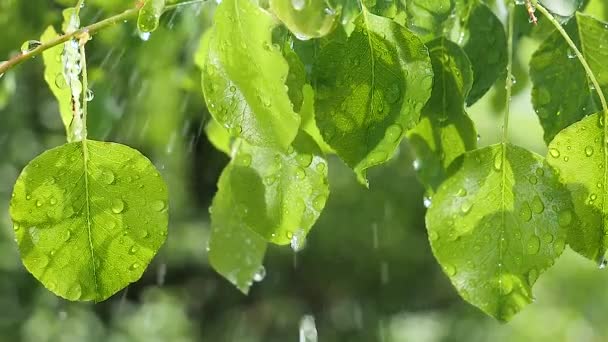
(249, 98)
(578, 153)
(369, 90)
(561, 92)
(562, 9)
(309, 125)
(53, 75)
(445, 130)
(485, 43)
(149, 15)
(497, 224)
(264, 195)
(306, 19)
(296, 78)
(218, 136)
(88, 218)
(427, 17)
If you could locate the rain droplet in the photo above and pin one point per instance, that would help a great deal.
(67, 236)
(533, 180)
(260, 274)
(537, 205)
(118, 206)
(427, 202)
(30, 45)
(498, 161)
(532, 276)
(60, 81)
(134, 266)
(526, 212)
(548, 237)
(39, 203)
(433, 235)
(300, 173)
(589, 151)
(107, 176)
(133, 249)
(564, 218)
(308, 329)
(554, 152)
(533, 245)
(319, 202)
(244, 159)
(449, 270)
(89, 95)
(304, 159)
(53, 201)
(461, 192)
(466, 207)
(298, 240)
(158, 205)
(393, 132)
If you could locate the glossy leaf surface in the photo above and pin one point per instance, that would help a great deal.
(306, 18)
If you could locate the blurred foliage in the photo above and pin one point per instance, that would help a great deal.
(367, 273)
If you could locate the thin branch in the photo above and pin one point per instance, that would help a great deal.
(509, 80)
(91, 30)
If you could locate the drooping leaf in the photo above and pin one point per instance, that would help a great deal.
(88, 218)
(578, 153)
(53, 75)
(445, 131)
(484, 40)
(249, 98)
(498, 223)
(369, 90)
(306, 19)
(561, 92)
(149, 15)
(264, 195)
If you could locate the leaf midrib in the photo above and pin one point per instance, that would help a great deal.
(85, 158)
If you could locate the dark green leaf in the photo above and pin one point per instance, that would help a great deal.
(497, 224)
(369, 89)
(89, 217)
(445, 130)
(561, 92)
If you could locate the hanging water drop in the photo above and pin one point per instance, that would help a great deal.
(427, 202)
(308, 329)
(89, 95)
(298, 240)
(260, 274)
(118, 206)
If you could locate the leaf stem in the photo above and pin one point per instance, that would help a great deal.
(509, 78)
(579, 55)
(91, 29)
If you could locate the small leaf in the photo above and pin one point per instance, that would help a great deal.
(88, 218)
(369, 90)
(249, 98)
(561, 92)
(296, 78)
(484, 40)
(54, 77)
(218, 136)
(445, 130)
(149, 15)
(306, 19)
(497, 224)
(264, 195)
(578, 153)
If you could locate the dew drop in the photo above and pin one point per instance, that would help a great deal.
(554, 152)
(466, 206)
(548, 238)
(118, 206)
(89, 95)
(304, 159)
(427, 202)
(53, 201)
(133, 249)
(589, 151)
(39, 203)
(533, 180)
(134, 266)
(449, 270)
(300, 173)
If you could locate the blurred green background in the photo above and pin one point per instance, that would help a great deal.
(367, 272)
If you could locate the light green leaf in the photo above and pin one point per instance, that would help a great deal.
(53, 75)
(149, 15)
(250, 99)
(445, 130)
(578, 153)
(484, 40)
(306, 19)
(218, 136)
(309, 125)
(369, 90)
(88, 218)
(497, 224)
(264, 196)
(561, 93)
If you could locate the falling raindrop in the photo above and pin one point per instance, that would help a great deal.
(427, 202)
(298, 240)
(308, 329)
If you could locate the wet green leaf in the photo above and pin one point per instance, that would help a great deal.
(149, 15)
(88, 218)
(264, 195)
(249, 98)
(427, 17)
(369, 90)
(484, 40)
(306, 19)
(561, 92)
(445, 131)
(497, 224)
(218, 136)
(578, 153)
(53, 75)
